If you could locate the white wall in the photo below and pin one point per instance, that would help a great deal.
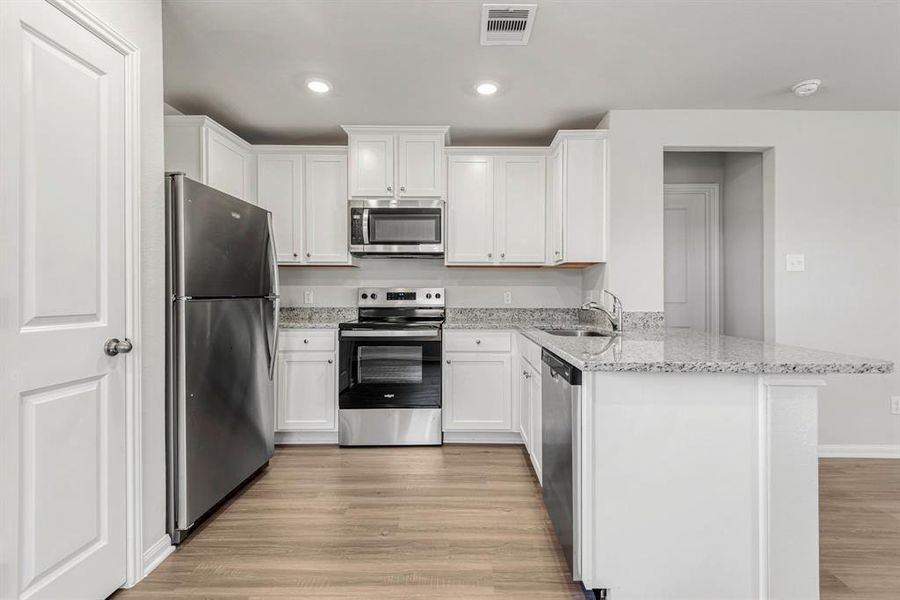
(742, 245)
(694, 167)
(530, 287)
(141, 22)
(835, 195)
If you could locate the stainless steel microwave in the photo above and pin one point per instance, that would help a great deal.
(397, 227)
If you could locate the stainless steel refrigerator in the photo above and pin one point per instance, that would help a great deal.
(222, 339)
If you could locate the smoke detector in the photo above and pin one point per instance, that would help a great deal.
(506, 24)
(806, 88)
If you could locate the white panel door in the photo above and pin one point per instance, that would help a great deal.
(280, 189)
(307, 396)
(62, 404)
(536, 447)
(421, 157)
(226, 165)
(525, 409)
(477, 394)
(371, 165)
(555, 212)
(520, 205)
(326, 209)
(686, 244)
(470, 210)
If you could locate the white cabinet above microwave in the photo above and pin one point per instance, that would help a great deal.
(396, 162)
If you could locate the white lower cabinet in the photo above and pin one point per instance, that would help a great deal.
(306, 382)
(477, 394)
(528, 390)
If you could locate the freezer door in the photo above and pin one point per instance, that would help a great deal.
(225, 399)
(222, 247)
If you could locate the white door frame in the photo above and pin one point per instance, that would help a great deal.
(713, 246)
(134, 567)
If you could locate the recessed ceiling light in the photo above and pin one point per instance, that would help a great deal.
(319, 86)
(806, 88)
(486, 88)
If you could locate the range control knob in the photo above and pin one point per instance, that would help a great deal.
(428, 296)
(437, 295)
(364, 296)
(374, 296)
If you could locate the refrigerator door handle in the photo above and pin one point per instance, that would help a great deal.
(276, 321)
(275, 290)
(274, 295)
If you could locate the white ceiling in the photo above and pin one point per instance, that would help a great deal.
(416, 61)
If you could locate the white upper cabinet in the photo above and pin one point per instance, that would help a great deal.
(280, 192)
(396, 162)
(496, 207)
(420, 161)
(325, 214)
(207, 152)
(371, 165)
(579, 196)
(304, 187)
(519, 208)
(470, 210)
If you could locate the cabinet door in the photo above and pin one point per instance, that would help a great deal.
(325, 209)
(525, 410)
(420, 169)
(227, 166)
(371, 165)
(306, 397)
(555, 208)
(470, 210)
(536, 448)
(279, 189)
(520, 193)
(477, 394)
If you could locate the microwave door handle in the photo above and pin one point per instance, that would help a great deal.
(365, 226)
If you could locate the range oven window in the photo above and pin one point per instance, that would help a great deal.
(389, 373)
(405, 226)
(389, 364)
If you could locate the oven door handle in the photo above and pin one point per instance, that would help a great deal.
(365, 226)
(351, 333)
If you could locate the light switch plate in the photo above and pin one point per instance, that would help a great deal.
(796, 262)
(507, 297)
(308, 297)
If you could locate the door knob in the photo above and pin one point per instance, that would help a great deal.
(113, 346)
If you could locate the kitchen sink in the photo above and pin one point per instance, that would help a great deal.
(579, 332)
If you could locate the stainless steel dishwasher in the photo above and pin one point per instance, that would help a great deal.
(561, 420)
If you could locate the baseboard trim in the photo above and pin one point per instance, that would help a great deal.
(155, 554)
(859, 451)
(290, 438)
(482, 437)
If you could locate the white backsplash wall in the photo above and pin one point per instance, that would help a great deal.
(466, 286)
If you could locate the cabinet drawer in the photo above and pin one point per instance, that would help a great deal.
(316, 341)
(477, 341)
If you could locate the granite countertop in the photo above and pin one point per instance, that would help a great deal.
(685, 351)
(315, 318)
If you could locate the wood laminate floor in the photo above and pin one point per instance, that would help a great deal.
(454, 522)
(460, 523)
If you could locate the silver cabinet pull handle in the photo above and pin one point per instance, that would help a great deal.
(390, 188)
(477, 341)
(402, 188)
(448, 361)
(330, 361)
(503, 255)
(113, 346)
(308, 255)
(305, 341)
(490, 255)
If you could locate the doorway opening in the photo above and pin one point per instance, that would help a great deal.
(715, 242)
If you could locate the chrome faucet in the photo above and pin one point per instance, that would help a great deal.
(616, 317)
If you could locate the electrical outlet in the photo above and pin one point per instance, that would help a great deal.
(895, 405)
(308, 297)
(507, 297)
(795, 262)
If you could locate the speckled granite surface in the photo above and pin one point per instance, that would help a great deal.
(684, 351)
(315, 318)
(508, 318)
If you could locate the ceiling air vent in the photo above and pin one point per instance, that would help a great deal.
(506, 24)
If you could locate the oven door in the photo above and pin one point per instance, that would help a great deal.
(390, 369)
(397, 226)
